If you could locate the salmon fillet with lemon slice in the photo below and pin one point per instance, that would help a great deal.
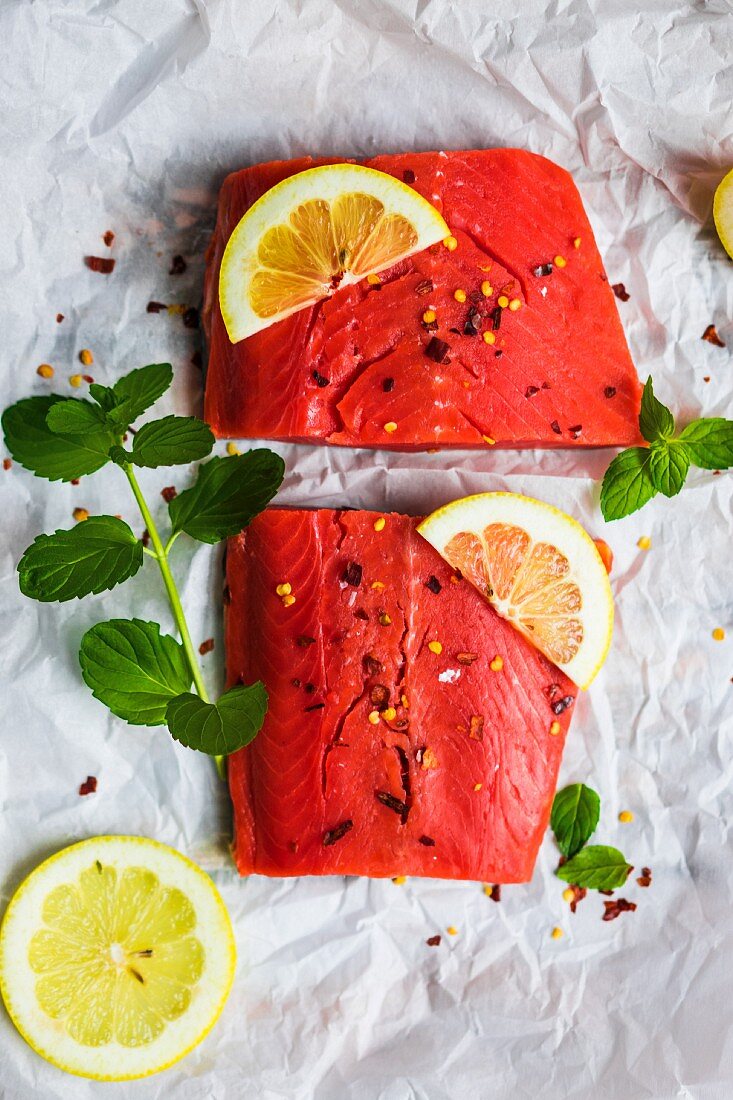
(507, 334)
(411, 729)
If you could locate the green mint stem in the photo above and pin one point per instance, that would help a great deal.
(161, 555)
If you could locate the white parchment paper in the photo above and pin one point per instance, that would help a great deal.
(126, 115)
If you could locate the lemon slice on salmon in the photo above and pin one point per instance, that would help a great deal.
(723, 212)
(538, 569)
(314, 232)
(116, 957)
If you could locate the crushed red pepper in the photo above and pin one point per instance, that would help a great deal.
(331, 836)
(145, 537)
(496, 892)
(437, 350)
(609, 391)
(531, 391)
(59, 318)
(408, 175)
(392, 803)
(542, 270)
(89, 785)
(711, 335)
(103, 265)
(563, 704)
(7, 463)
(388, 385)
(579, 892)
(178, 266)
(576, 430)
(433, 941)
(156, 307)
(169, 493)
(373, 666)
(466, 658)
(613, 909)
(108, 238)
(379, 695)
(556, 427)
(352, 574)
(427, 841)
(476, 731)
(206, 647)
(433, 584)
(645, 879)
(424, 287)
(304, 640)
(620, 291)
(320, 380)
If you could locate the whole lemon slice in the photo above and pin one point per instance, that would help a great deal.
(538, 569)
(723, 212)
(317, 231)
(116, 957)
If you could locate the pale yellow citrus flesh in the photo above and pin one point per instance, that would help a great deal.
(723, 212)
(317, 231)
(539, 570)
(117, 967)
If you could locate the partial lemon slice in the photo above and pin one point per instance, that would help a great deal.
(319, 230)
(723, 212)
(539, 570)
(116, 957)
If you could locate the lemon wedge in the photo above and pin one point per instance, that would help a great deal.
(314, 232)
(723, 212)
(538, 569)
(116, 957)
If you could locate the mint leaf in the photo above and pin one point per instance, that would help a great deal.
(655, 419)
(75, 417)
(227, 495)
(103, 395)
(96, 555)
(595, 868)
(575, 813)
(627, 484)
(709, 442)
(172, 441)
(668, 466)
(48, 454)
(134, 669)
(141, 388)
(218, 728)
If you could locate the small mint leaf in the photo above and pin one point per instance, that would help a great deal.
(655, 419)
(627, 484)
(227, 495)
(141, 388)
(134, 669)
(595, 868)
(709, 442)
(668, 466)
(48, 454)
(172, 441)
(575, 813)
(218, 728)
(97, 554)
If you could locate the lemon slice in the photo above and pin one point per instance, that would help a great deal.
(116, 957)
(723, 212)
(317, 231)
(538, 569)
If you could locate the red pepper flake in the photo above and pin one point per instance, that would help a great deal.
(191, 317)
(563, 704)
(433, 941)
(531, 391)
(304, 640)
(579, 892)
(433, 584)
(498, 354)
(711, 335)
(609, 391)
(424, 287)
(379, 696)
(476, 732)
(169, 493)
(615, 908)
(59, 318)
(87, 378)
(645, 879)
(296, 682)
(206, 647)
(89, 785)
(473, 320)
(145, 537)
(309, 688)
(706, 378)
(392, 803)
(372, 666)
(104, 265)
(178, 266)
(542, 270)
(495, 316)
(576, 430)
(466, 658)
(388, 385)
(620, 291)
(320, 380)
(156, 307)
(408, 175)
(437, 350)
(7, 463)
(556, 428)
(337, 833)
(314, 706)
(352, 574)
(496, 892)
(108, 238)
(427, 841)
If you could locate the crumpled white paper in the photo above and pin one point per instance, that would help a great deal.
(126, 115)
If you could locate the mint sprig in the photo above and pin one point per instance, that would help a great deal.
(575, 813)
(640, 473)
(140, 674)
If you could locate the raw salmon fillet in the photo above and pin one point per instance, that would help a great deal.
(558, 375)
(456, 780)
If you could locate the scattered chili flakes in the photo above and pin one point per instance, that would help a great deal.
(557, 933)
(314, 706)
(89, 786)
(7, 464)
(108, 238)
(352, 574)
(498, 354)
(102, 265)
(45, 370)
(450, 243)
(169, 493)
(424, 287)
(178, 266)
(373, 666)
(563, 704)
(388, 385)
(542, 270)
(609, 392)
(379, 695)
(59, 318)
(390, 427)
(435, 647)
(495, 892)
(399, 880)
(606, 554)
(392, 803)
(576, 431)
(304, 640)
(645, 878)
(497, 664)
(466, 658)
(574, 895)
(206, 647)
(556, 427)
(433, 584)
(80, 514)
(477, 786)
(620, 291)
(380, 524)
(384, 619)
(437, 350)
(332, 836)
(555, 728)
(613, 909)
(156, 307)
(452, 930)
(472, 322)
(408, 176)
(191, 317)
(626, 817)
(495, 317)
(531, 391)
(433, 941)
(74, 481)
(706, 378)
(320, 380)
(718, 634)
(429, 759)
(711, 335)
(427, 841)
(476, 731)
